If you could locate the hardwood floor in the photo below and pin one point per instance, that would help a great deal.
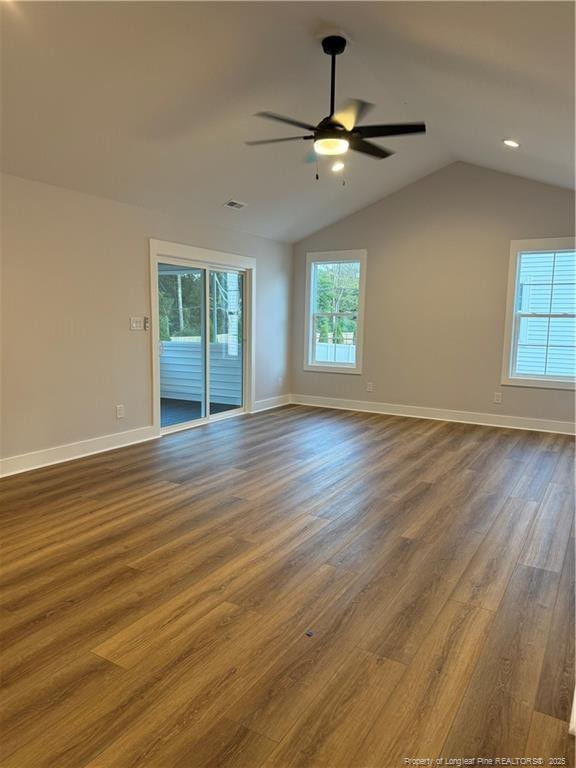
(300, 587)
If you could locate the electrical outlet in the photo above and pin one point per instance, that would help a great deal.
(119, 411)
(498, 397)
(370, 387)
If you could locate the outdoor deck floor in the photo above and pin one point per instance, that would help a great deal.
(180, 411)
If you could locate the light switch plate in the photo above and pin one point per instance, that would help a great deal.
(136, 323)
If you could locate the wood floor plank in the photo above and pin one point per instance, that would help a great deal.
(546, 545)
(399, 627)
(538, 472)
(556, 687)
(428, 518)
(382, 529)
(485, 580)
(549, 740)
(494, 718)
(48, 700)
(416, 719)
(226, 743)
(337, 721)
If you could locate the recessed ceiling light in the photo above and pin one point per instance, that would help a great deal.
(338, 166)
(511, 143)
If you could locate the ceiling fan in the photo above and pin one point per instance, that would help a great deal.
(339, 132)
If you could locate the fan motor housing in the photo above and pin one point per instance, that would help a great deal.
(329, 128)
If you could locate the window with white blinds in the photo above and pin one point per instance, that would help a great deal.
(542, 320)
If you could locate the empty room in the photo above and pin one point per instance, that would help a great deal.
(288, 364)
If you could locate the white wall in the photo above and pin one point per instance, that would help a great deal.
(438, 253)
(75, 268)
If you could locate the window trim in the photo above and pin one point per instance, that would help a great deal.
(314, 257)
(553, 244)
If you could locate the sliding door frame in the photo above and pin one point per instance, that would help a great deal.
(178, 254)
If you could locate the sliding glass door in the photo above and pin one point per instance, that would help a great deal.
(181, 303)
(226, 369)
(201, 343)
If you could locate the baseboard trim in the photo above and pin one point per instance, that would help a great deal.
(13, 465)
(439, 414)
(25, 462)
(271, 402)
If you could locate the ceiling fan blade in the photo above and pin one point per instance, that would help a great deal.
(351, 112)
(276, 141)
(392, 129)
(367, 148)
(287, 120)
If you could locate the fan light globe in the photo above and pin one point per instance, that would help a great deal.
(331, 146)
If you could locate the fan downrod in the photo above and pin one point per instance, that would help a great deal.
(333, 45)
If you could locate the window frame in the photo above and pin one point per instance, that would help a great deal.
(517, 247)
(315, 257)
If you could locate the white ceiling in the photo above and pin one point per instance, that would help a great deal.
(150, 103)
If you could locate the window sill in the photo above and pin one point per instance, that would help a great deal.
(568, 384)
(333, 369)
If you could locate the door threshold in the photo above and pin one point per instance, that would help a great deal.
(202, 422)
(227, 414)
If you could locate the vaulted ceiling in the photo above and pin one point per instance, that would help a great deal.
(150, 103)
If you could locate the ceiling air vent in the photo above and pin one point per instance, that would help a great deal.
(236, 204)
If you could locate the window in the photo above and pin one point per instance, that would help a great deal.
(334, 311)
(540, 344)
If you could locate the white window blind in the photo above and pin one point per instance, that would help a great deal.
(543, 344)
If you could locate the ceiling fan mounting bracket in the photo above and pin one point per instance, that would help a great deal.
(334, 45)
